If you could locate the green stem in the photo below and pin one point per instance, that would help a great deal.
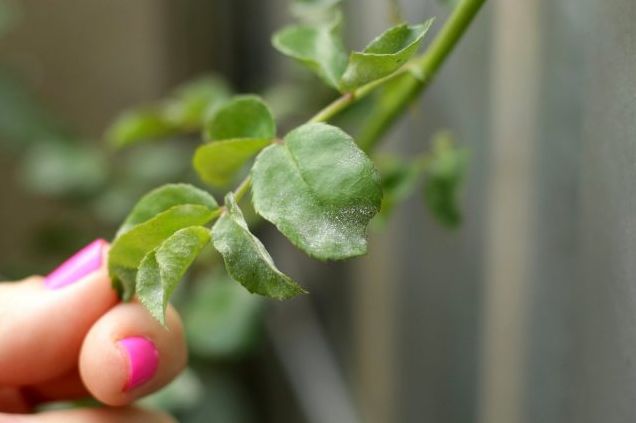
(420, 73)
(332, 109)
(411, 79)
(344, 101)
(448, 37)
(243, 188)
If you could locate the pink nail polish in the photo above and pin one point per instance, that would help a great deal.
(143, 360)
(85, 261)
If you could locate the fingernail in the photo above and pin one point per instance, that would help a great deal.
(85, 261)
(143, 360)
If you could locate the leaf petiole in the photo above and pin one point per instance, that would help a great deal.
(243, 188)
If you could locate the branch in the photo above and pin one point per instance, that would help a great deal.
(420, 73)
(417, 75)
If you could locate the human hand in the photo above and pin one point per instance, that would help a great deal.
(66, 336)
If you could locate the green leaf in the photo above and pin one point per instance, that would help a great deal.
(131, 247)
(139, 125)
(319, 189)
(195, 101)
(217, 162)
(164, 198)
(317, 47)
(399, 180)
(384, 55)
(244, 116)
(123, 280)
(239, 129)
(153, 165)
(221, 317)
(246, 259)
(445, 174)
(185, 393)
(161, 270)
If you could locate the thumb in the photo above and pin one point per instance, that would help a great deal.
(43, 321)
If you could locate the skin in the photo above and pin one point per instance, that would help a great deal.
(62, 345)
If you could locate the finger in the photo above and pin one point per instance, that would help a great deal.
(44, 320)
(24, 399)
(12, 401)
(94, 415)
(128, 354)
(63, 388)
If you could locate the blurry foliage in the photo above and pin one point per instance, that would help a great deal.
(182, 394)
(399, 180)
(445, 173)
(440, 172)
(143, 167)
(58, 169)
(205, 395)
(184, 111)
(222, 319)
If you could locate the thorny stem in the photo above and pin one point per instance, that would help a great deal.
(418, 74)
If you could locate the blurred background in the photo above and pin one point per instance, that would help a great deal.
(523, 314)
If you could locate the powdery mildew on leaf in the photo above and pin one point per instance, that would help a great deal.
(162, 269)
(163, 198)
(246, 259)
(319, 189)
(156, 216)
